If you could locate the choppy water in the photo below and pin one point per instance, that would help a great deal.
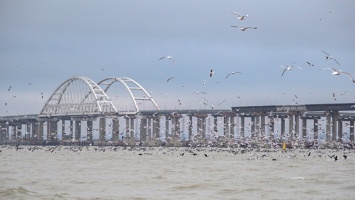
(166, 174)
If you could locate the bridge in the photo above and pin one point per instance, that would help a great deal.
(80, 110)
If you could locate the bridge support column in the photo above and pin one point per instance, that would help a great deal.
(3, 129)
(71, 128)
(282, 127)
(272, 127)
(102, 129)
(40, 131)
(327, 127)
(149, 127)
(115, 129)
(297, 124)
(231, 128)
(257, 125)
(143, 129)
(225, 126)
(352, 131)
(52, 129)
(167, 128)
(77, 130)
(304, 127)
(132, 130)
(242, 126)
(89, 126)
(262, 124)
(315, 128)
(290, 126)
(127, 127)
(215, 124)
(19, 131)
(156, 127)
(252, 126)
(340, 130)
(334, 127)
(28, 132)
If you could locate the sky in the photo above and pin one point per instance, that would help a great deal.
(44, 43)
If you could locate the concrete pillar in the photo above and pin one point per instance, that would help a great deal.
(132, 130)
(156, 127)
(2, 132)
(225, 125)
(272, 126)
(334, 127)
(19, 131)
(257, 125)
(262, 124)
(304, 127)
(190, 126)
(89, 126)
(252, 124)
(340, 130)
(282, 126)
(352, 131)
(127, 126)
(315, 128)
(52, 130)
(77, 130)
(115, 129)
(40, 131)
(290, 126)
(102, 129)
(231, 128)
(28, 132)
(167, 128)
(327, 127)
(34, 131)
(63, 128)
(149, 127)
(143, 129)
(242, 125)
(297, 124)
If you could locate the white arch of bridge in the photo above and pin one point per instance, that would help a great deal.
(130, 85)
(75, 96)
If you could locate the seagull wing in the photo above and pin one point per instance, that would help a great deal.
(228, 75)
(162, 57)
(336, 61)
(326, 53)
(170, 79)
(236, 14)
(349, 75)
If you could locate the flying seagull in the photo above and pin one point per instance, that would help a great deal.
(244, 28)
(288, 68)
(339, 72)
(232, 73)
(168, 57)
(329, 57)
(240, 17)
(170, 78)
(211, 73)
(9, 88)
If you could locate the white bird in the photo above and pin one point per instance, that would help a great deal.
(339, 72)
(168, 57)
(288, 68)
(329, 57)
(232, 73)
(170, 78)
(240, 17)
(211, 73)
(200, 92)
(244, 28)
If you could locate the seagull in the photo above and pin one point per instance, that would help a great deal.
(339, 72)
(9, 88)
(288, 68)
(232, 73)
(329, 57)
(168, 57)
(170, 78)
(244, 28)
(240, 17)
(310, 64)
(200, 92)
(211, 73)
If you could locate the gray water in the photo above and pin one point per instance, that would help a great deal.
(108, 173)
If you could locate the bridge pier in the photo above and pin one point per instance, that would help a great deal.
(115, 129)
(143, 129)
(231, 128)
(242, 126)
(334, 126)
(77, 136)
(352, 131)
(102, 129)
(315, 128)
(290, 126)
(89, 130)
(340, 130)
(190, 127)
(156, 127)
(52, 130)
(3, 129)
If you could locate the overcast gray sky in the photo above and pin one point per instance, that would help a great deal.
(46, 42)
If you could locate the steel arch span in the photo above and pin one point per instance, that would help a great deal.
(76, 96)
(131, 86)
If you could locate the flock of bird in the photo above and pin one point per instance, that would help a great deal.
(249, 153)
